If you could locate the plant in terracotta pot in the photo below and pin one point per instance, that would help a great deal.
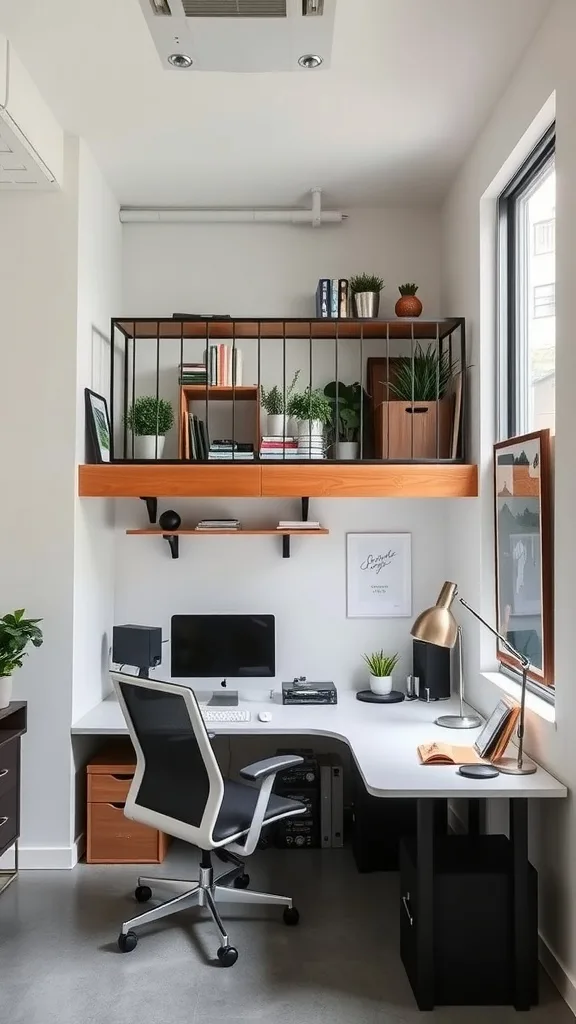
(381, 667)
(416, 421)
(365, 290)
(16, 633)
(149, 419)
(276, 402)
(408, 304)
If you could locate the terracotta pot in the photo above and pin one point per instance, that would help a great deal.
(408, 305)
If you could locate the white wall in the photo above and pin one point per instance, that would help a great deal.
(273, 271)
(469, 249)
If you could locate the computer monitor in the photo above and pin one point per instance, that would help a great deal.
(223, 646)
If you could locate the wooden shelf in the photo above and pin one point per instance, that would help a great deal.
(158, 327)
(323, 480)
(220, 392)
(173, 536)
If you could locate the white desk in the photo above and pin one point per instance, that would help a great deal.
(383, 741)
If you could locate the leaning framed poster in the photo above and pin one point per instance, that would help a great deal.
(378, 575)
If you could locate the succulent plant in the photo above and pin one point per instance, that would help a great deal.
(366, 283)
(407, 289)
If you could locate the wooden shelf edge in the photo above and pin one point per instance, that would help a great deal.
(228, 533)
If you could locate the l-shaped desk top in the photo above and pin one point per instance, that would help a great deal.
(382, 739)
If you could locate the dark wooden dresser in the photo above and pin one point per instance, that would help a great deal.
(12, 728)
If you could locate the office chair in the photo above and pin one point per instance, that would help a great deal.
(178, 788)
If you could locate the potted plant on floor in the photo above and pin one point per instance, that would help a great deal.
(149, 419)
(313, 411)
(381, 667)
(276, 402)
(365, 290)
(16, 633)
(408, 304)
(347, 405)
(416, 422)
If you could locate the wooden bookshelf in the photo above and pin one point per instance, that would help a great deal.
(199, 394)
(173, 536)
(288, 327)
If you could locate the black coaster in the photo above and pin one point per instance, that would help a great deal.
(394, 697)
(478, 771)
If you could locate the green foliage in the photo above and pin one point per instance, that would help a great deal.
(407, 289)
(423, 379)
(276, 401)
(16, 633)
(346, 422)
(366, 283)
(150, 415)
(310, 405)
(381, 664)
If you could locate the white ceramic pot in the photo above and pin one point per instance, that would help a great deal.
(310, 428)
(145, 446)
(5, 691)
(381, 685)
(277, 426)
(347, 449)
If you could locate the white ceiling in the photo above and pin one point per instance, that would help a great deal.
(411, 84)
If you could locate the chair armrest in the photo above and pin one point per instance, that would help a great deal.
(270, 766)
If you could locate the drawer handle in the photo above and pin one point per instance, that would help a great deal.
(417, 410)
(3, 820)
(122, 778)
(3, 772)
(406, 902)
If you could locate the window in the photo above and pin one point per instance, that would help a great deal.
(545, 237)
(527, 299)
(544, 300)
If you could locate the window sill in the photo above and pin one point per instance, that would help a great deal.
(533, 703)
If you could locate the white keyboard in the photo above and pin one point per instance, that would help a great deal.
(225, 714)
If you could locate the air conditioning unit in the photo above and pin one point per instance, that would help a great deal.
(242, 35)
(31, 140)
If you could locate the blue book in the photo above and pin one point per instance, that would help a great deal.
(323, 298)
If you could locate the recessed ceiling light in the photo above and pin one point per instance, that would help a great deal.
(310, 60)
(310, 8)
(180, 60)
(160, 7)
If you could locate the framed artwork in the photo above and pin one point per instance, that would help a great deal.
(97, 427)
(523, 552)
(379, 575)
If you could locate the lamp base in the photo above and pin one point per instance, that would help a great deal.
(510, 766)
(459, 721)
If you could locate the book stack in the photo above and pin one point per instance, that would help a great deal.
(298, 524)
(193, 373)
(198, 436)
(278, 447)
(224, 449)
(224, 364)
(311, 446)
(219, 524)
(332, 298)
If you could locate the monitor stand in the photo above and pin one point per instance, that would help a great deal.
(224, 698)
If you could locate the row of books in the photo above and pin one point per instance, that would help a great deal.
(313, 447)
(222, 366)
(332, 297)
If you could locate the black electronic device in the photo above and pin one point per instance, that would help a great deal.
(223, 646)
(433, 667)
(299, 691)
(138, 646)
(300, 783)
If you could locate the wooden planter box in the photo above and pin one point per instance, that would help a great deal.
(419, 431)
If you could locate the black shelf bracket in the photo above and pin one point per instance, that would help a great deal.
(286, 545)
(305, 509)
(173, 543)
(152, 507)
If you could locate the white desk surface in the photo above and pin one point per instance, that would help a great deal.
(382, 738)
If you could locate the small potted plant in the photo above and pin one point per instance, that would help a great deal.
(16, 633)
(346, 401)
(312, 410)
(276, 402)
(149, 419)
(381, 668)
(365, 289)
(408, 304)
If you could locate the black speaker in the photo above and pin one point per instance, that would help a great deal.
(139, 646)
(433, 666)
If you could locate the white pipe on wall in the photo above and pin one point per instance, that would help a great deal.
(314, 217)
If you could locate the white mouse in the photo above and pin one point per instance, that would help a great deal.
(264, 716)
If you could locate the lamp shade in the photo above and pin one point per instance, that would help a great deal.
(437, 625)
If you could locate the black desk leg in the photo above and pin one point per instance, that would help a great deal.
(522, 937)
(475, 817)
(425, 907)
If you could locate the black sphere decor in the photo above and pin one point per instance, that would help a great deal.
(170, 520)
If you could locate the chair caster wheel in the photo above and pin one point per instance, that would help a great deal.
(128, 942)
(242, 882)
(142, 893)
(227, 956)
(291, 916)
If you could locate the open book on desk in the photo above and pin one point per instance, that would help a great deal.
(490, 745)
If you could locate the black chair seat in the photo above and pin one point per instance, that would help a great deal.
(238, 805)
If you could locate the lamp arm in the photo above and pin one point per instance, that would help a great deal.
(524, 661)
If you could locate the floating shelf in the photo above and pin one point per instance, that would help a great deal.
(154, 327)
(172, 536)
(221, 392)
(278, 480)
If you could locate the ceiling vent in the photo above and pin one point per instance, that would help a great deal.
(241, 35)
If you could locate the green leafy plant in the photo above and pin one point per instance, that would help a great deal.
(16, 633)
(366, 283)
(407, 289)
(276, 401)
(381, 664)
(347, 411)
(310, 404)
(425, 378)
(150, 415)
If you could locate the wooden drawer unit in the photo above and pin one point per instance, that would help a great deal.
(111, 837)
(9, 818)
(9, 765)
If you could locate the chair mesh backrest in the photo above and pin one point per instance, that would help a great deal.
(175, 780)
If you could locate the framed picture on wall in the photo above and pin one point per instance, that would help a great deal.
(378, 575)
(97, 427)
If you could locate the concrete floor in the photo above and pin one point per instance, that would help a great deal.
(59, 962)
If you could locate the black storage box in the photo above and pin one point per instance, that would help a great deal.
(473, 921)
